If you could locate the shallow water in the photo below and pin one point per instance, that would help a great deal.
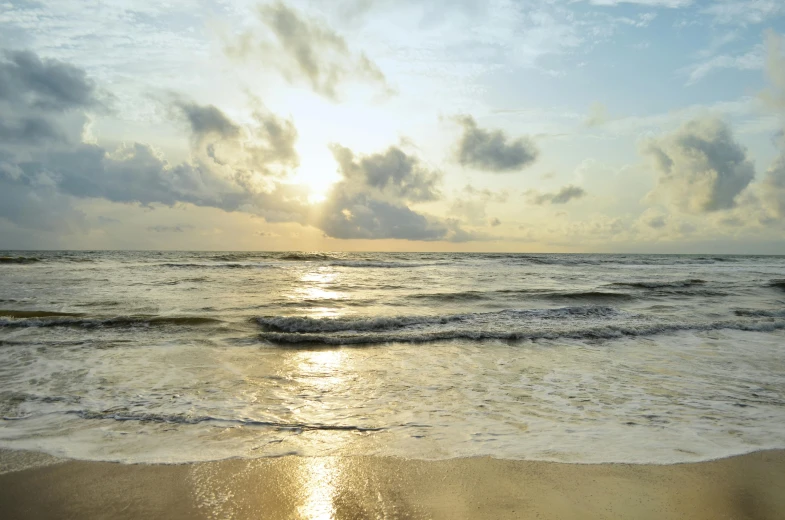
(171, 357)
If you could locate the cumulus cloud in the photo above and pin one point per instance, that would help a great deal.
(493, 150)
(392, 173)
(264, 147)
(563, 196)
(372, 201)
(231, 165)
(304, 50)
(700, 167)
(44, 84)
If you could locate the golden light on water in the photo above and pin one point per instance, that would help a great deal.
(314, 286)
(321, 371)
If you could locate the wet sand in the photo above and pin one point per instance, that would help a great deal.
(744, 487)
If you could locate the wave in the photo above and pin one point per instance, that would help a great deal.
(9, 313)
(300, 257)
(304, 324)
(779, 284)
(600, 259)
(588, 333)
(760, 313)
(19, 259)
(589, 295)
(117, 321)
(527, 293)
(124, 415)
(374, 264)
(223, 265)
(660, 285)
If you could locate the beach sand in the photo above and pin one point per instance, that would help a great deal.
(745, 487)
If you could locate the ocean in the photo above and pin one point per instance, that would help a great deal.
(191, 356)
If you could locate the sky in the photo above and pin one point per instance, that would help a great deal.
(642, 126)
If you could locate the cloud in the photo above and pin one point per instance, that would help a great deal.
(563, 196)
(774, 96)
(264, 147)
(392, 173)
(38, 98)
(772, 189)
(751, 60)
(495, 222)
(305, 50)
(372, 199)
(179, 228)
(471, 204)
(744, 12)
(598, 115)
(672, 4)
(700, 167)
(232, 167)
(492, 150)
(44, 84)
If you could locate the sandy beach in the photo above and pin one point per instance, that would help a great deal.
(743, 487)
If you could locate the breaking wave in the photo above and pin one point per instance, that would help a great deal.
(59, 320)
(125, 415)
(374, 264)
(223, 265)
(304, 324)
(19, 260)
(600, 332)
(660, 285)
(521, 293)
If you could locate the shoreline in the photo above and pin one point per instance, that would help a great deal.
(739, 487)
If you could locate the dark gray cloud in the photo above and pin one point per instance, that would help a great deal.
(700, 167)
(264, 147)
(27, 130)
(392, 173)
(304, 49)
(656, 222)
(563, 196)
(349, 213)
(50, 85)
(206, 120)
(372, 200)
(44, 163)
(36, 97)
(493, 150)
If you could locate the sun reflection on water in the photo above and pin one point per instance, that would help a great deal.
(320, 475)
(317, 286)
(321, 371)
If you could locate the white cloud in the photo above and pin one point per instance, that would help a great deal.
(744, 12)
(751, 60)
